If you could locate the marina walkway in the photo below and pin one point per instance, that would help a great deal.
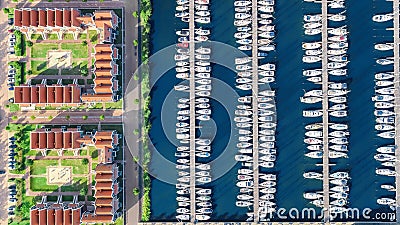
(396, 49)
(255, 109)
(325, 106)
(192, 119)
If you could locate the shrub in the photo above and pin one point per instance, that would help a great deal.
(50, 117)
(102, 117)
(84, 43)
(29, 43)
(67, 117)
(136, 191)
(136, 132)
(29, 162)
(85, 161)
(83, 191)
(135, 43)
(84, 117)
(136, 101)
(14, 117)
(6, 10)
(135, 14)
(33, 117)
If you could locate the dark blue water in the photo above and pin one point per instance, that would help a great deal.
(289, 84)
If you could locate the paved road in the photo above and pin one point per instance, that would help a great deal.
(59, 117)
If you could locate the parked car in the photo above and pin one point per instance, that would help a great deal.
(12, 138)
(11, 166)
(10, 80)
(10, 21)
(11, 213)
(11, 208)
(12, 146)
(12, 199)
(11, 44)
(11, 100)
(12, 187)
(11, 88)
(10, 84)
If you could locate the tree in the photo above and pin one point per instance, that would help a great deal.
(14, 117)
(85, 161)
(135, 14)
(136, 191)
(85, 117)
(33, 117)
(50, 117)
(6, 10)
(102, 117)
(84, 43)
(84, 72)
(29, 162)
(136, 101)
(29, 72)
(29, 43)
(83, 191)
(67, 117)
(136, 132)
(135, 43)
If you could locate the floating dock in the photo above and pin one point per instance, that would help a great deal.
(254, 65)
(192, 119)
(325, 107)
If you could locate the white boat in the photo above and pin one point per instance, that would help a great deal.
(340, 189)
(338, 126)
(337, 17)
(385, 120)
(312, 141)
(383, 98)
(268, 176)
(312, 18)
(339, 202)
(314, 133)
(338, 58)
(338, 31)
(204, 192)
(267, 197)
(385, 61)
(384, 76)
(243, 203)
(339, 195)
(244, 22)
(338, 141)
(203, 20)
(204, 210)
(341, 99)
(388, 187)
(390, 149)
(203, 173)
(385, 91)
(267, 48)
(244, 197)
(202, 217)
(312, 113)
(184, 217)
(386, 172)
(245, 184)
(266, 164)
(384, 46)
(203, 166)
(311, 73)
(310, 100)
(341, 148)
(382, 18)
(267, 66)
(266, 27)
(313, 52)
(203, 93)
(336, 65)
(337, 85)
(268, 35)
(242, 158)
(338, 45)
(202, 13)
(338, 113)
(312, 25)
(314, 126)
(266, 80)
(338, 133)
(266, 9)
(315, 93)
(383, 112)
(268, 190)
(313, 31)
(312, 195)
(314, 147)
(337, 38)
(339, 175)
(386, 201)
(387, 134)
(314, 154)
(204, 204)
(311, 45)
(312, 175)
(384, 83)
(268, 158)
(204, 179)
(384, 157)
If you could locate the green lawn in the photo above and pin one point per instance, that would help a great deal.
(94, 165)
(77, 166)
(40, 184)
(39, 50)
(78, 183)
(36, 37)
(52, 153)
(68, 37)
(78, 50)
(83, 152)
(52, 37)
(93, 36)
(39, 166)
(82, 37)
(40, 67)
(69, 153)
(77, 66)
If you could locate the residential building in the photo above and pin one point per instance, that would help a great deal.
(42, 95)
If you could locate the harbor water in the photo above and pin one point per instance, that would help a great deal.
(289, 85)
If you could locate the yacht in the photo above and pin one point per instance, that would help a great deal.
(267, 73)
(183, 217)
(266, 28)
(204, 180)
(385, 61)
(267, 48)
(313, 31)
(336, 51)
(203, 20)
(383, 83)
(312, 18)
(268, 190)
(314, 126)
(385, 120)
(385, 91)
(388, 187)
(242, 9)
(204, 192)
(242, 158)
(337, 18)
(338, 58)
(336, 5)
(384, 46)
(268, 176)
(267, 197)
(312, 113)
(204, 210)
(204, 204)
(181, 154)
(338, 113)
(268, 158)
(339, 133)
(338, 72)
(385, 172)
(202, 217)
(387, 134)
(312, 25)
(266, 80)
(340, 148)
(240, 23)
(312, 175)
(318, 203)
(384, 157)
(242, 35)
(267, 66)
(310, 100)
(181, 7)
(339, 175)
(203, 117)
(338, 141)
(314, 154)
(312, 73)
(203, 166)
(314, 147)
(312, 141)
(312, 195)
(338, 45)
(313, 52)
(268, 93)
(337, 38)
(389, 149)
(314, 133)
(340, 189)
(335, 155)
(384, 76)
(338, 31)
(245, 171)
(339, 182)
(203, 173)
(244, 197)
(202, 33)
(382, 18)
(383, 98)
(389, 164)
(383, 112)
(267, 34)
(245, 184)
(311, 59)
(341, 99)
(242, 3)
(243, 203)
(339, 126)
(203, 93)
(266, 164)
(339, 195)
(311, 45)
(266, 9)
(386, 201)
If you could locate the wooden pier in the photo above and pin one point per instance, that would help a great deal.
(255, 108)
(325, 107)
(192, 119)
(396, 70)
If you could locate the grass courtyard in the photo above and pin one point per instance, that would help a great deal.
(39, 166)
(78, 166)
(40, 184)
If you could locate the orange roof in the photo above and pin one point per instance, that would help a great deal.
(91, 218)
(47, 94)
(26, 17)
(17, 17)
(34, 217)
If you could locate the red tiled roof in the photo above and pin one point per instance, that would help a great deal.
(61, 95)
(17, 17)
